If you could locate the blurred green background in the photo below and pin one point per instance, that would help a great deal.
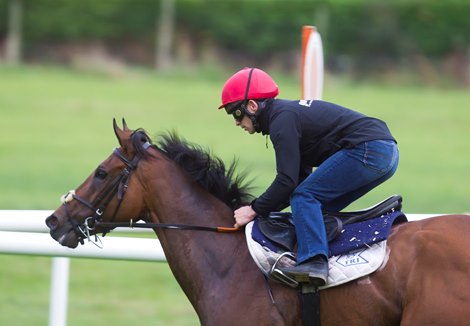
(78, 64)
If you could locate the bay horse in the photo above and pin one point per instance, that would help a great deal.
(424, 281)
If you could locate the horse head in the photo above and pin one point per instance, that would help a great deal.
(112, 192)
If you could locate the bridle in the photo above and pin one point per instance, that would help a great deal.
(118, 187)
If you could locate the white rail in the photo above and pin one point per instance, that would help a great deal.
(41, 244)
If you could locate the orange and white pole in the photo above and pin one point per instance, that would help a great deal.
(312, 64)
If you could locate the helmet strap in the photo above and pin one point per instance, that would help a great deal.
(244, 106)
(252, 116)
(254, 121)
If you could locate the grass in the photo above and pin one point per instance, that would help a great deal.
(56, 126)
(117, 292)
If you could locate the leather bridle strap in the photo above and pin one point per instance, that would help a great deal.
(118, 185)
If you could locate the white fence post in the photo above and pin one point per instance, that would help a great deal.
(59, 291)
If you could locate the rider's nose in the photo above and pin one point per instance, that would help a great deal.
(52, 222)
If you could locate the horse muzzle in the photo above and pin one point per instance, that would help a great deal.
(63, 233)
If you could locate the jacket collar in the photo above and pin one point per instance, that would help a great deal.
(264, 117)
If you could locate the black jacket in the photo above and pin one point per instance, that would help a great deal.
(304, 134)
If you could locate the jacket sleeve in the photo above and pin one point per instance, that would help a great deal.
(285, 134)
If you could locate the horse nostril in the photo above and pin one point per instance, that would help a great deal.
(52, 222)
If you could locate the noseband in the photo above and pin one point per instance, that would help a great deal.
(118, 186)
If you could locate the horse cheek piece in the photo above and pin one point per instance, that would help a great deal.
(424, 281)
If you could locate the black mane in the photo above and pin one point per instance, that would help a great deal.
(209, 171)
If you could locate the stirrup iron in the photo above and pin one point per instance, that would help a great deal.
(278, 275)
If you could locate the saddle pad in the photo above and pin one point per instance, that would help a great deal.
(356, 264)
(342, 268)
(361, 234)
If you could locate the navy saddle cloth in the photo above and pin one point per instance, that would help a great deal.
(346, 231)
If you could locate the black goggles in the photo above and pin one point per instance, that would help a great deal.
(238, 112)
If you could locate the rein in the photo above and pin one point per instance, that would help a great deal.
(170, 226)
(119, 187)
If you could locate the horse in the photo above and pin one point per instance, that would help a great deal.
(175, 185)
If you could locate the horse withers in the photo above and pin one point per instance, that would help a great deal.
(425, 279)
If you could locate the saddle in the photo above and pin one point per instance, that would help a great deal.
(279, 226)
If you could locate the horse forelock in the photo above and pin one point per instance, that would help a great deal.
(138, 138)
(206, 169)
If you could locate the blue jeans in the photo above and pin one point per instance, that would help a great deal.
(338, 181)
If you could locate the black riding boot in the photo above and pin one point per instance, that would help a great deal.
(313, 271)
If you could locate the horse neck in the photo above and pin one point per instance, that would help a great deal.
(199, 260)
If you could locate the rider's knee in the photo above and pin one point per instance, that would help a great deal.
(301, 195)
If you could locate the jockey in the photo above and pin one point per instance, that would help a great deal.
(352, 154)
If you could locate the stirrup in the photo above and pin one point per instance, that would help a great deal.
(278, 275)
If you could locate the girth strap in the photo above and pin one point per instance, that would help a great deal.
(310, 305)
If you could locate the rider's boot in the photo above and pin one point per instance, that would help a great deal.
(313, 271)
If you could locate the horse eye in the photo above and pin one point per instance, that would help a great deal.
(101, 174)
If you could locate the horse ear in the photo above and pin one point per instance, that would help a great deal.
(124, 125)
(119, 132)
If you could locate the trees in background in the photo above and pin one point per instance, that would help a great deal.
(359, 36)
(164, 35)
(13, 32)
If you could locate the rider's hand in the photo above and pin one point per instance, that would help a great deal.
(243, 216)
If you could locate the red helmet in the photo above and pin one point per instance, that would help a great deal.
(248, 84)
